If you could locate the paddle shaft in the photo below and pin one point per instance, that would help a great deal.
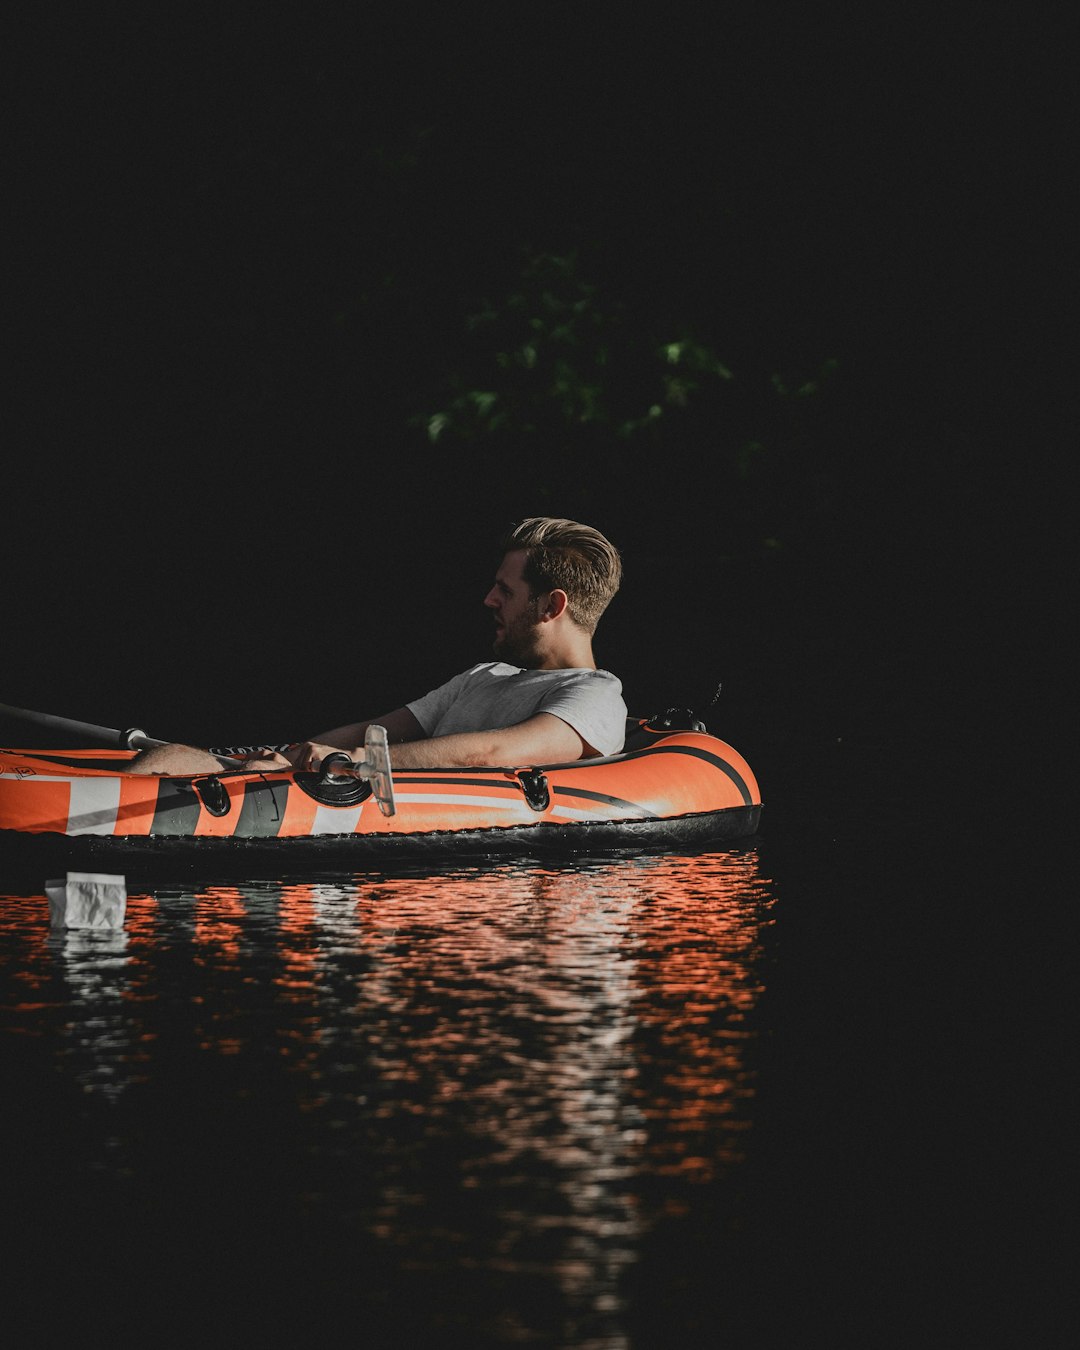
(132, 739)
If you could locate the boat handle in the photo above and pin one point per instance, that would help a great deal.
(535, 786)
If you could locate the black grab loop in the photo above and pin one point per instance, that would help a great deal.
(334, 789)
(213, 794)
(640, 734)
(676, 719)
(535, 786)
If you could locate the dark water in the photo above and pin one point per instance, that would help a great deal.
(746, 1096)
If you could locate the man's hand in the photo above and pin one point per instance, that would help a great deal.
(304, 755)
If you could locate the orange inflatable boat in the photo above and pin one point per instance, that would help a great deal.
(673, 786)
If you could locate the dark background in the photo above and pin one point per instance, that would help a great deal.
(245, 251)
(247, 247)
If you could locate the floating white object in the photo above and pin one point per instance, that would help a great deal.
(87, 900)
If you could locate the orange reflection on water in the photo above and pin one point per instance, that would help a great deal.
(571, 1006)
(299, 937)
(546, 1000)
(219, 914)
(297, 986)
(573, 1012)
(584, 1030)
(514, 1067)
(699, 972)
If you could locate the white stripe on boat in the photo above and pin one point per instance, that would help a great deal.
(452, 799)
(336, 819)
(93, 803)
(601, 811)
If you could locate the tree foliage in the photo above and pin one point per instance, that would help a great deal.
(556, 362)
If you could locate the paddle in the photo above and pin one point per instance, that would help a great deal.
(132, 739)
(373, 768)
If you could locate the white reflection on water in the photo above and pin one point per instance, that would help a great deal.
(100, 1037)
(528, 998)
(94, 966)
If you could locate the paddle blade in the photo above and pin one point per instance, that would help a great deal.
(377, 753)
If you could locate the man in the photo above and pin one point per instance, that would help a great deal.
(543, 702)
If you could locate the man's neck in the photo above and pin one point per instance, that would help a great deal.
(567, 656)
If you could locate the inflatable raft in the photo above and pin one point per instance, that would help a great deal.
(673, 786)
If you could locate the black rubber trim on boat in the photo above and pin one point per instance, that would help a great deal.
(342, 791)
(607, 800)
(508, 781)
(276, 857)
(696, 753)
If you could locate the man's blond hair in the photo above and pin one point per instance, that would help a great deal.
(563, 555)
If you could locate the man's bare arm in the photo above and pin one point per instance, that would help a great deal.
(400, 725)
(541, 739)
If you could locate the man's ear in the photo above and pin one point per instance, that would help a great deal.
(557, 602)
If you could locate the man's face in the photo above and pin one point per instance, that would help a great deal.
(516, 614)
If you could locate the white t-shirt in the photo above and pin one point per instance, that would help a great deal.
(495, 694)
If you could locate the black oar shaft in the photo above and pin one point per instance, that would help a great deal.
(132, 739)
